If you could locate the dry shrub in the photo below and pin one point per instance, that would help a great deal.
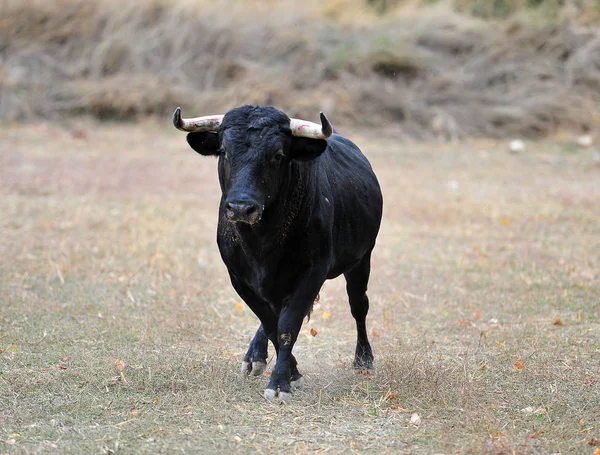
(428, 72)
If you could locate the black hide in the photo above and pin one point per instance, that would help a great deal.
(293, 213)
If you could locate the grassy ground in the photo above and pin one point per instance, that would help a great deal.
(119, 331)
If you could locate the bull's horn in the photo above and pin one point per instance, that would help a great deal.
(302, 128)
(209, 123)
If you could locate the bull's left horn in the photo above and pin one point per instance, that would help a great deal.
(302, 128)
(209, 123)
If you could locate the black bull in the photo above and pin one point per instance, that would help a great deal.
(294, 212)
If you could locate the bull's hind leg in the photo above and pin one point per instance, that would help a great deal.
(356, 286)
(255, 360)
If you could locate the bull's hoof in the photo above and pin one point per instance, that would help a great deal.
(363, 371)
(254, 368)
(277, 397)
(285, 397)
(258, 368)
(270, 394)
(246, 368)
(362, 365)
(297, 383)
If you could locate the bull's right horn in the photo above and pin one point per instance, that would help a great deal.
(209, 123)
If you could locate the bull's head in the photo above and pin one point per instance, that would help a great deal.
(255, 146)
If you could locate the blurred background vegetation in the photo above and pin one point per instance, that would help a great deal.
(425, 68)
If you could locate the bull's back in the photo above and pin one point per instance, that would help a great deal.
(357, 203)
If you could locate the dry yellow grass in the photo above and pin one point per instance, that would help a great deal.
(428, 70)
(120, 333)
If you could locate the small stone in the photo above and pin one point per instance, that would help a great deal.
(584, 141)
(453, 185)
(516, 146)
(415, 419)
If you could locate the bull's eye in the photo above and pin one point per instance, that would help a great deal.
(277, 157)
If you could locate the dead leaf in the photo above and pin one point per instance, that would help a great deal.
(62, 367)
(519, 364)
(557, 322)
(120, 364)
(79, 134)
(313, 332)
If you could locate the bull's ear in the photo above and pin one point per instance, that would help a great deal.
(305, 149)
(206, 144)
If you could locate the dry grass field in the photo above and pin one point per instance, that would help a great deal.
(120, 333)
(432, 68)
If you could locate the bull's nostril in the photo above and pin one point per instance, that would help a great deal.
(250, 209)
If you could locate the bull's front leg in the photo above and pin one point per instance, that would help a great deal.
(255, 360)
(285, 371)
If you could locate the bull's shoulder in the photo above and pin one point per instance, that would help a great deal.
(344, 165)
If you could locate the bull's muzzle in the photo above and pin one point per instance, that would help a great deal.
(243, 211)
